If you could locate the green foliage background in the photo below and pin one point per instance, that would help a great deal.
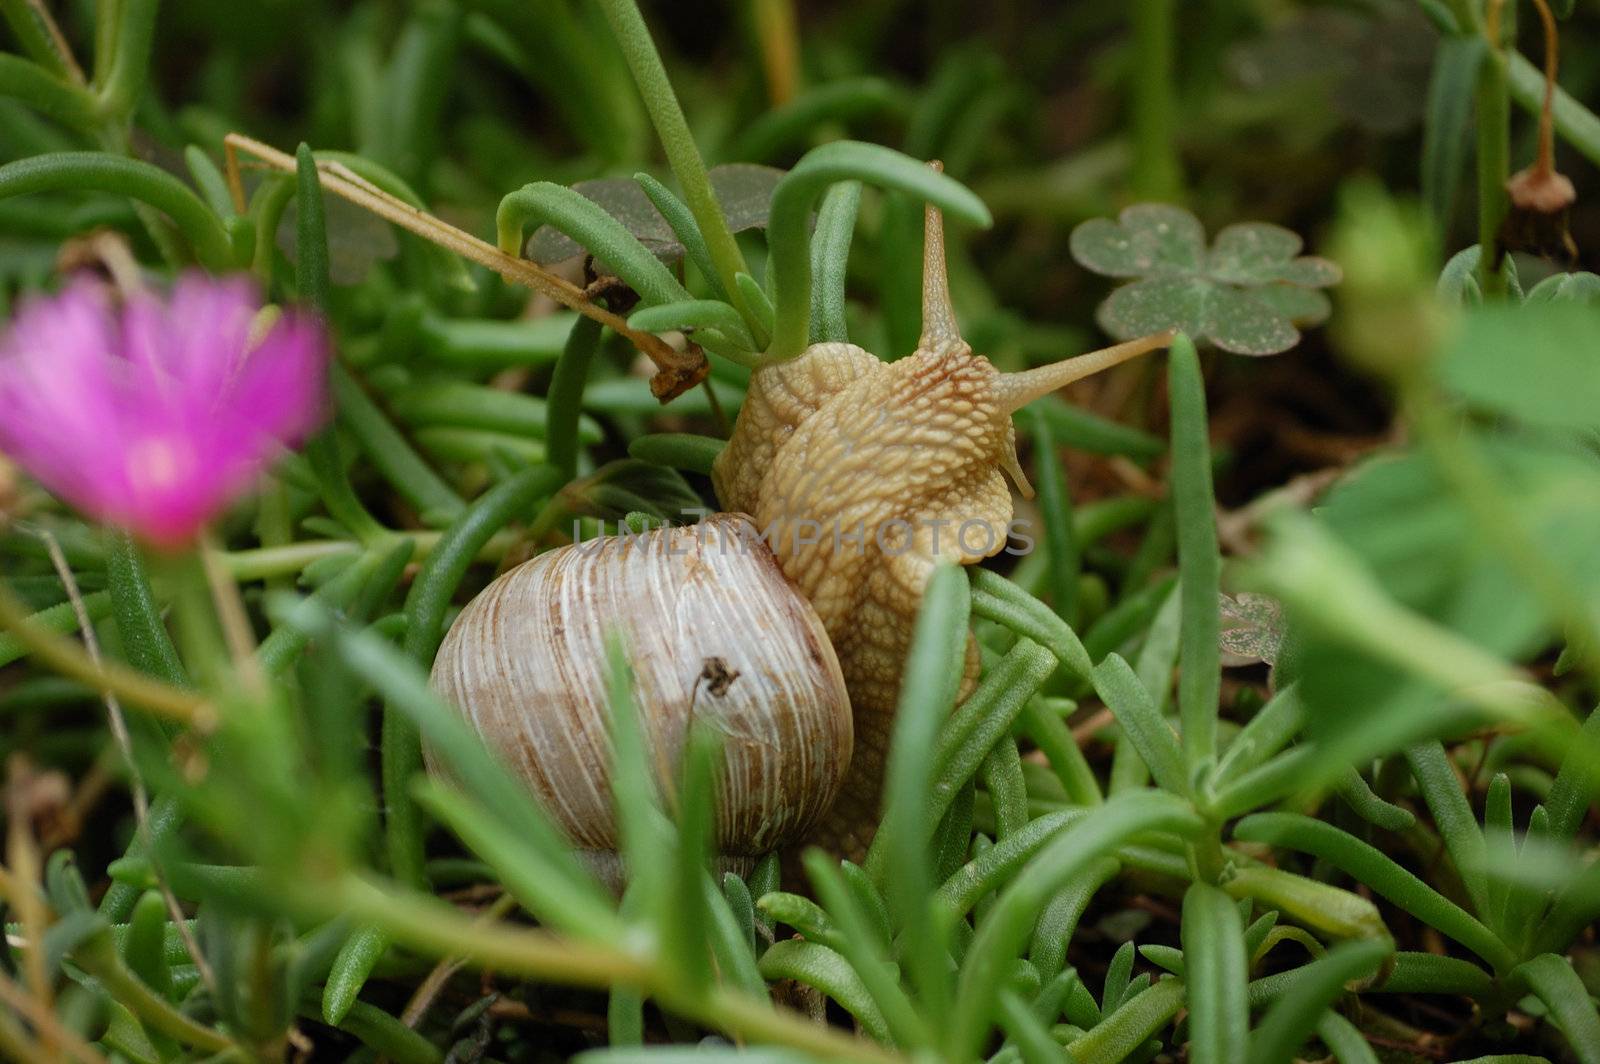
(1365, 831)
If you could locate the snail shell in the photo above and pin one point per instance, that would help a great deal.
(714, 632)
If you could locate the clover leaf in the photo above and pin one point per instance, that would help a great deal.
(1246, 293)
(1252, 628)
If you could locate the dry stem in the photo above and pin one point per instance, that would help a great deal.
(119, 732)
(676, 372)
(1544, 164)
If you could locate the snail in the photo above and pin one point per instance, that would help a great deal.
(861, 476)
(714, 632)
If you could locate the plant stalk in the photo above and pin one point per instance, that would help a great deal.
(666, 113)
(1157, 173)
(1493, 104)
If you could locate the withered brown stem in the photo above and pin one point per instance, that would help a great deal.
(676, 371)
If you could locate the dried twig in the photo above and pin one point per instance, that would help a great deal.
(235, 622)
(22, 885)
(58, 40)
(46, 1022)
(134, 687)
(124, 741)
(429, 989)
(676, 371)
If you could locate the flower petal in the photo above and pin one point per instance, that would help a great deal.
(157, 418)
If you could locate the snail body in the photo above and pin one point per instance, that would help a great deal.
(861, 476)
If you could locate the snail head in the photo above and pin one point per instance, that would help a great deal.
(1002, 393)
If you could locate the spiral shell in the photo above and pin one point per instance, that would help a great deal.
(714, 633)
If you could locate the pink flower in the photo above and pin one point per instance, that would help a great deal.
(155, 416)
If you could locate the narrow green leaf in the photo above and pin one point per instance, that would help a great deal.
(1054, 739)
(684, 227)
(1078, 428)
(1365, 803)
(991, 869)
(1030, 1036)
(1291, 1019)
(1001, 772)
(689, 314)
(389, 451)
(757, 301)
(311, 235)
(1500, 846)
(1344, 1040)
(1577, 783)
(1119, 977)
(869, 901)
(859, 946)
(118, 901)
(1322, 906)
(1141, 724)
(830, 259)
(615, 249)
(1430, 973)
(798, 192)
(387, 1036)
(1575, 123)
(556, 899)
(1269, 731)
(1158, 654)
(1215, 972)
(820, 967)
(1574, 909)
(1441, 789)
(1284, 775)
(1199, 563)
(404, 688)
(1379, 872)
(121, 176)
(1117, 1036)
(1002, 932)
(350, 971)
(802, 914)
(986, 716)
(431, 591)
(1055, 509)
(1059, 921)
(687, 933)
(279, 650)
(314, 287)
(934, 667)
(1449, 110)
(144, 947)
(732, 935)
(1255, 936)
(680, 450)
(644, 834)
(60, 618)
(666, 114)
(997, 599)
(1555, 983)
(146, 644)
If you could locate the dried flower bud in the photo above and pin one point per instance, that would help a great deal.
(1541, 199)
(1541, 189)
